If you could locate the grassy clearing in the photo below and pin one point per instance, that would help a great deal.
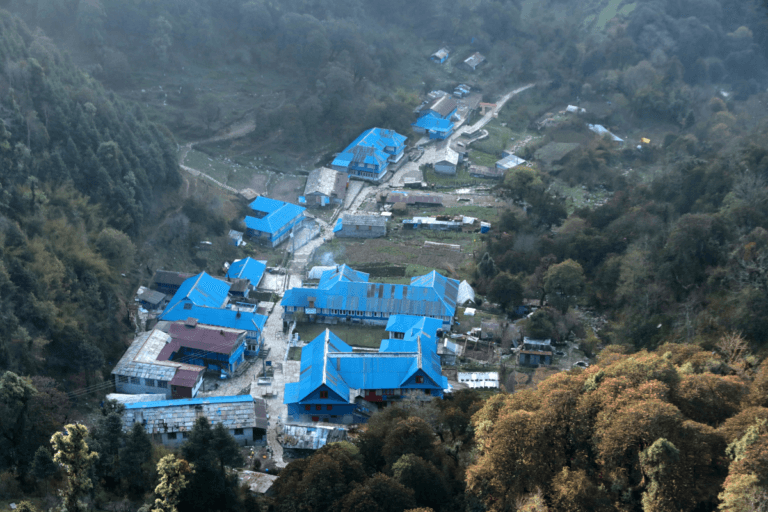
(467, 323)
(354, 335)
(460, 179)
(577, 197)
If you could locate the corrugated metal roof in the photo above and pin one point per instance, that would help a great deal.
(200, 337)
(232, 319)
(180, 415)
(443, 106)
(275, 215)
(465, 293)
(474, 60)
(364, 220)
(431, 123)
(141, 358)
(328, 361)
(327, 182)
(370, 147)
(201, 290)
(248, 268)
(510, 161)
(186, 378)
(303, 437)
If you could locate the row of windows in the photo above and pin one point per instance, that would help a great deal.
(185, 435)
(318, 407)
(147, 382)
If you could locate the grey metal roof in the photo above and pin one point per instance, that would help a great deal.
(364, 220)
(443, 105)
(327, 182)
(474, 60)
(151, 296)
(140, 360)
(303, 437)
(180, 415)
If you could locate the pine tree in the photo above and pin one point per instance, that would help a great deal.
(43, 466)
(73, 453)
(136, 452)
(173, 479)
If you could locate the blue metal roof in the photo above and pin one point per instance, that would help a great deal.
(378, 140)
(338, 226)
(278, 215)
(248, 268)
(328, 361)
(229, 318)
(201, 290)
(431, 295)
(191, 401)
(432, 123)
(342, 273)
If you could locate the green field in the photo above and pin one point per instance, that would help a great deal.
(354, 335)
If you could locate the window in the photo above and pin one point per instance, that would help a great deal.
(328, 407)
(122, 378)
(323, 394)
(238, 431)
(419, 379)
(426, 391)
(173, 388)
(318, 407)
(187, 305)
(149, 382)
(307, 407)
(315, 418)
(135, 380)
(171, 436)
(162, 384)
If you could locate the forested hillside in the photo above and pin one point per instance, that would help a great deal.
(79, 170)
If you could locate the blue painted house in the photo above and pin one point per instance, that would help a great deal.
(440, 56)
(273, 220)
(442, 107)
(248, 268)
(345, 295)
(204, 299)
(338, 385)
(369, 156)
(200, 290)
(435, 127)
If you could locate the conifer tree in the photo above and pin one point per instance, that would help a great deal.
(43, 466)
(72, 452)
(173, 479)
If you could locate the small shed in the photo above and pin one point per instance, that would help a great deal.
(535, 352)
(476, 380)
(236, 237)
(509, 162)
(440, 56)
(474, 60)
(447, 161)
(150, 299)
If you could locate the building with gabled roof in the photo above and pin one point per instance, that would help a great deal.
(248, 268)
(325, 186)
(240, 317)
(474, 60)
(369, 155)
(442, 107)
(201, 290)
(339, 385)
(360, 226)
(146, 368)
(170, 421)
(440, 56)
(435, 127)
(169, 282)
(272, 220)
(345, 295)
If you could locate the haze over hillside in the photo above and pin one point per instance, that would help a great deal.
(590, 178)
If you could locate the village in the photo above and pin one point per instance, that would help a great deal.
(361, 308)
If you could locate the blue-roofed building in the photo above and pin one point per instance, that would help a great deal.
(200, 290)
(338, 385)
(240, 316)
(345, 295)
(248, 268)
(273, 220)
(369, 155)
(435, 127)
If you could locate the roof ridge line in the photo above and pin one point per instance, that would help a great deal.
(325, 354)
